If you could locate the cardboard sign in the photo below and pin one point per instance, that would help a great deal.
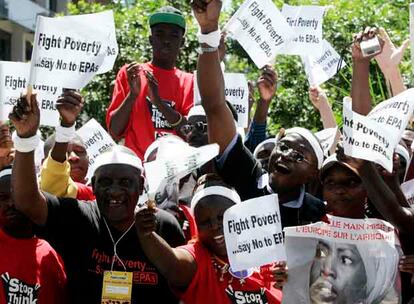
(345, 261)
(323, 66)
(96, 140)
(68, 51)
(367, 139)
(14, 77)
(175, 164)
(236, 92)
(260, 29)
(253, 233)
(395, 113)
(408, 189)
(306, 22)
(327, 138)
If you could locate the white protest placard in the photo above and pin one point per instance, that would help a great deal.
(408, 190)
(177, 162)
(306, 22)
(96, 141)
(367, 139)
(260, 29)
(327, 138)
(343, 261)
(236, 92)
(395, 113)
(14, 77)
(323, 66)
(253, 233)
(68, 51)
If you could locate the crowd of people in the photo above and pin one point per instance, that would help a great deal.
(66, 239)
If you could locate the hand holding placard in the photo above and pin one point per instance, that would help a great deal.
(26, 118)
(69, 105)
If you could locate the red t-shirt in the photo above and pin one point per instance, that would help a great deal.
(206, 287)
(30, 272)
(146, 123)
(84, 193)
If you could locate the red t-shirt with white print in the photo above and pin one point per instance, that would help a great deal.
(206, 286)
(146, 122)
(30, 272)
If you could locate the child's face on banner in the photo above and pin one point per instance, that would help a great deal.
(337, 274)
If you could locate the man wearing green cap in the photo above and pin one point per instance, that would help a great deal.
(151, 99)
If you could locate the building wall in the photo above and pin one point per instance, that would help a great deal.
(20, 37)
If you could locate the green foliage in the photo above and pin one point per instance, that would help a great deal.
(292, 106)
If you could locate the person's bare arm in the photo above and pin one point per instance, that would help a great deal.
(320, 101)
(120, 116)
(360, 93)
(25, 190)
(176, 265)
(220, 122)
(384, 199)
(174, 118)
(266, 84)
(389, 61)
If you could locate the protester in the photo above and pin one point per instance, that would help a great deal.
(97, 237)
(30, 270)
(157, 85)
(289, 169)
(64, 170)
(343, 190)
(199, 272)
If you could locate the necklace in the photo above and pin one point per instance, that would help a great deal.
(222, 268)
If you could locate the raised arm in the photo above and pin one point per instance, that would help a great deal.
(389, 61)
(221, 126)
(176, 265)
(55, 172)
(360, 93)
(266, 84)
(118, 119)
(27, 196)
(174, 118)
(320, 101)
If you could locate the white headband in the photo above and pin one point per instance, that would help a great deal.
(259, 146)
(156, 144)
(5, 172)
(312, 140)
(118, 156)
(196, 111)
(401, 150)
(214, 190)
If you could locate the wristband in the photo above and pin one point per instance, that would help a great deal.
(178, 121)
(64, 135)
(212, 39)
(203, 50)
(25, 145)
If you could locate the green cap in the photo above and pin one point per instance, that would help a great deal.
(168, 14)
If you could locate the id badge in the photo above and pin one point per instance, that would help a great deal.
(117, 286)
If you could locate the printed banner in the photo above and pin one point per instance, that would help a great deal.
(14, 78)
(175, 164)
(236, 92)
(345, 261)
(327, 138)
(395, 113)
(408, 189)
(306, 22)
(253, 233)
(96, 141)
(68, 51)
(260, 29)
(367, 139)
(323, 66)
